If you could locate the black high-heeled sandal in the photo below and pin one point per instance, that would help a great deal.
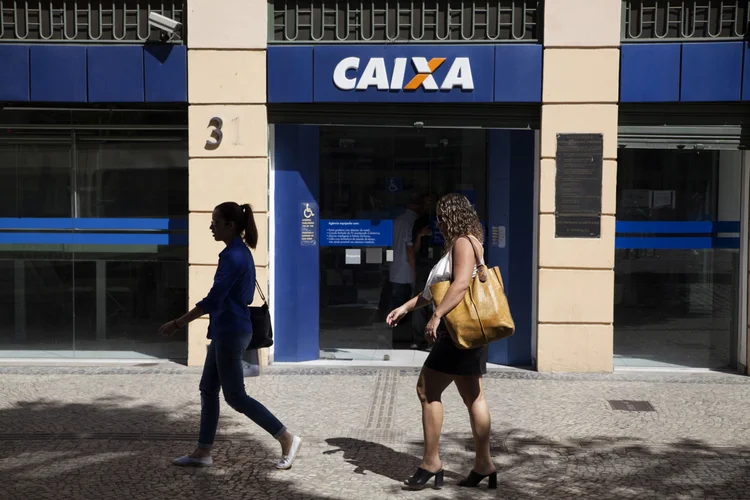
(474, 478)
(420, 479)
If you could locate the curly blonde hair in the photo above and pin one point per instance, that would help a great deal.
(458, 218)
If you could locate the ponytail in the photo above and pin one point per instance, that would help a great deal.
(251, 230)
(242, 218)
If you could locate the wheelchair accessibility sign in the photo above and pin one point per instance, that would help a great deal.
(393, 185)
(309, 224)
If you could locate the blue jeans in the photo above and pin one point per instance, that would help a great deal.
(223, 369)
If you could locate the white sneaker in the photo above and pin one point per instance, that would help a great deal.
(188, 461)
(287, 460)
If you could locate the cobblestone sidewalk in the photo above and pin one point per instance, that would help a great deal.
(110, 432)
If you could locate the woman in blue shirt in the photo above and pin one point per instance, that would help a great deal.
(230, 331)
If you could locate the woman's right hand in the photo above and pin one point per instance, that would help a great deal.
(395, 316)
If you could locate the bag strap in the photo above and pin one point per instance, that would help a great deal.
(478, 260)
(260, 292)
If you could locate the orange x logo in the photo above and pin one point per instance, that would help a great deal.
(424, 71)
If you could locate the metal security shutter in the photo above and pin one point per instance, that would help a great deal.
(406, 115)
(684, 126)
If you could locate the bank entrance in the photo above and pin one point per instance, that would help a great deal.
(378, 190)
(349, 197)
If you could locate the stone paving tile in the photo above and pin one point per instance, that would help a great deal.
(109, 433)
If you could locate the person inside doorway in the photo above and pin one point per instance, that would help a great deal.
(402, 272)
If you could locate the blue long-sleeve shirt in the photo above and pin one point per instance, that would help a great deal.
(232, 292)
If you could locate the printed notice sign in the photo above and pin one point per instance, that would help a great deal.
(309, 224)
(356, 233)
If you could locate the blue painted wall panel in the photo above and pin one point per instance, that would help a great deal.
(746, 76)
(165, 68)
(711, 71)
(14, 73)
(510, 184)
(115, 74)
(297, 266)
(650, 72)
(498, 215)
(397, 69)
(518, 73)
(518, 277)
(58, 73)
(290, 74)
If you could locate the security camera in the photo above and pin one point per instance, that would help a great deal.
(169, 27)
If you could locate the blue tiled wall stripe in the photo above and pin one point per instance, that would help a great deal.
(694, 235)
(70, 74)
(85, 223)
(676, 227)
(689, 72)
(74, 231)
(14, 74)
(70, 238)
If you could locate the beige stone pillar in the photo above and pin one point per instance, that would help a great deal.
(226, 81)
(576, 276)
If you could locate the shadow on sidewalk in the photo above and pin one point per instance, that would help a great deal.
(118, 449)
(601, 467)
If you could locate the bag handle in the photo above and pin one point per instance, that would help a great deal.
(260, 292)
(479, 262)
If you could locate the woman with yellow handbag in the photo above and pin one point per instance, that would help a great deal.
(471, 310)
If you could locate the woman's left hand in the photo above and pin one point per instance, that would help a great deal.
(430, 331)
(169, 328)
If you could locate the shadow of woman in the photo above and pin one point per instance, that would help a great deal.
(377, 458)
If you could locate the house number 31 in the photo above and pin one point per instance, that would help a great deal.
(216, 136)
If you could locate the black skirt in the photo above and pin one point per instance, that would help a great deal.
(445, 357)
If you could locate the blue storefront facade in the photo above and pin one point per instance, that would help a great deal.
(678, 198)
(93, 181)
(110, 166)
(362, 77)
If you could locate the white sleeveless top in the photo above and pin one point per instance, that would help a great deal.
(443, 270)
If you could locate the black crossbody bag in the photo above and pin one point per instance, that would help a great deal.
(260, 317)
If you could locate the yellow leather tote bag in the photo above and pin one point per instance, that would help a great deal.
(483, 316)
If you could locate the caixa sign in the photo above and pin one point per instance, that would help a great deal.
(354, 73)
(409, 73)
(405, 73)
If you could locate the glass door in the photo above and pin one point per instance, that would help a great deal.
(677, 259)
(378, 239)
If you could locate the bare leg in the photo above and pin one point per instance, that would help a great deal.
(472, 392)
(430, 387)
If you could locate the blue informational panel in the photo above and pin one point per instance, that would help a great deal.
(356, 233)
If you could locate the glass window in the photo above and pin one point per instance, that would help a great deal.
(35, 180)
(132, 179)
(677, 258)
(111, 290)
